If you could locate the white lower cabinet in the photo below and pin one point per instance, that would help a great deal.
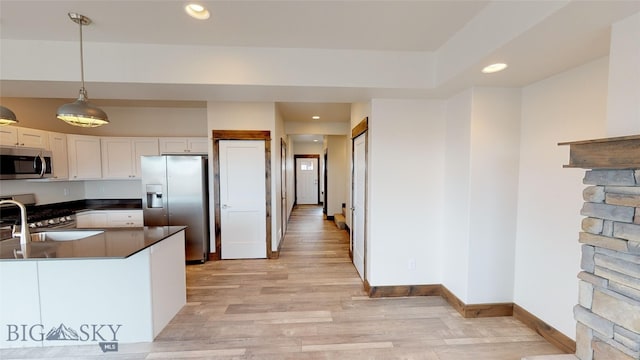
(109, 219)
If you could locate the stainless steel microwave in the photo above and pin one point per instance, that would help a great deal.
(25, 163)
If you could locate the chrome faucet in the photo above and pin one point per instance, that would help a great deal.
(24, 235)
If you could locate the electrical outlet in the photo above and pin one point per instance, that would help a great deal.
(412, 264)
(66, 191)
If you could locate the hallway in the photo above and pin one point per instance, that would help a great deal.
(309, 304)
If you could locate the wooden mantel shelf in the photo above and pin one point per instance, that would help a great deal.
(610, 153)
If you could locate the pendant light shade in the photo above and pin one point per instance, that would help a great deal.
(81, 112)
(7, 117)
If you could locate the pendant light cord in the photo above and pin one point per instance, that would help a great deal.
(81, 59)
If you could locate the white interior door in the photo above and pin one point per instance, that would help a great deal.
(283, 189)
(359, 197)
(242, 199)
(307, 180)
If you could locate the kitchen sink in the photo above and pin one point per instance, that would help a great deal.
(67, 235)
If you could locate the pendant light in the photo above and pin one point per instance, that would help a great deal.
(81, 112)
(7, 117)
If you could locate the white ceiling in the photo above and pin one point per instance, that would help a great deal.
(573, 33)
(367, 25)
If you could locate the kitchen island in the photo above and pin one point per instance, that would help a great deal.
(116, 286)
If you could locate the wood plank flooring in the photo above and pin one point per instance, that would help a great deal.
(310, 304)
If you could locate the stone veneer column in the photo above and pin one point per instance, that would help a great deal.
(608, 314)
(608, 310)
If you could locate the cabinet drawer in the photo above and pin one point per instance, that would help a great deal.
(124, 218)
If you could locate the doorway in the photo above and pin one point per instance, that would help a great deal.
(242, 201)
(359, 198)
(283, 190)
(307, 177)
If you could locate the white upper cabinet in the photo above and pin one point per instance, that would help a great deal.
(84, 157)
(180, 145)
(121, 156)
(60, 158)
(144, 147)
(8, 136)
(24, 137)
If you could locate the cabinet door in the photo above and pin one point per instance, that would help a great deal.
(8, 135)
(198, 145)
(117, 158)
(128, 218)
(58, 146)
(143, 147)
(91, 219)
(33, 138)
(84, 157)
(173, 145)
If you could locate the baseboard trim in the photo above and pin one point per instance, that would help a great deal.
(552, 335)
(476, 310)
(405, 290)
(466, 310)
(214, 256)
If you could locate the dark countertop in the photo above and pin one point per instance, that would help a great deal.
(9, 215)
(112, 243)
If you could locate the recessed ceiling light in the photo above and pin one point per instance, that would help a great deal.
(315, 117)
(494, 68)
(197, 11)
(315, 140)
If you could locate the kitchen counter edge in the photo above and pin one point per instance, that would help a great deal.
(151, 236)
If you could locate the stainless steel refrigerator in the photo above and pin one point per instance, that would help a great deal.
(175, 192)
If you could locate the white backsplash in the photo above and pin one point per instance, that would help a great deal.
(49, 192)
(113, 189)
(46, 192)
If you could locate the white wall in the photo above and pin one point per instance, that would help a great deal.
(359, 111)
(124, 120)
(319, 128)
(483, 126)
(455, 245)
(307, 148)
(337, 173)
(291, 198)
(569, 106)
(276, 178)
(623, 102)
(493, 190)
(405, 201)
(113, 189)
(46, 192)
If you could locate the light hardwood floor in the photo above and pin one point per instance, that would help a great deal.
(309, 304)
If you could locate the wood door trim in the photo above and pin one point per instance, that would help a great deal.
(295, 172)
(241, 135)
(283, 192)
(360, 128)
(218, 135)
